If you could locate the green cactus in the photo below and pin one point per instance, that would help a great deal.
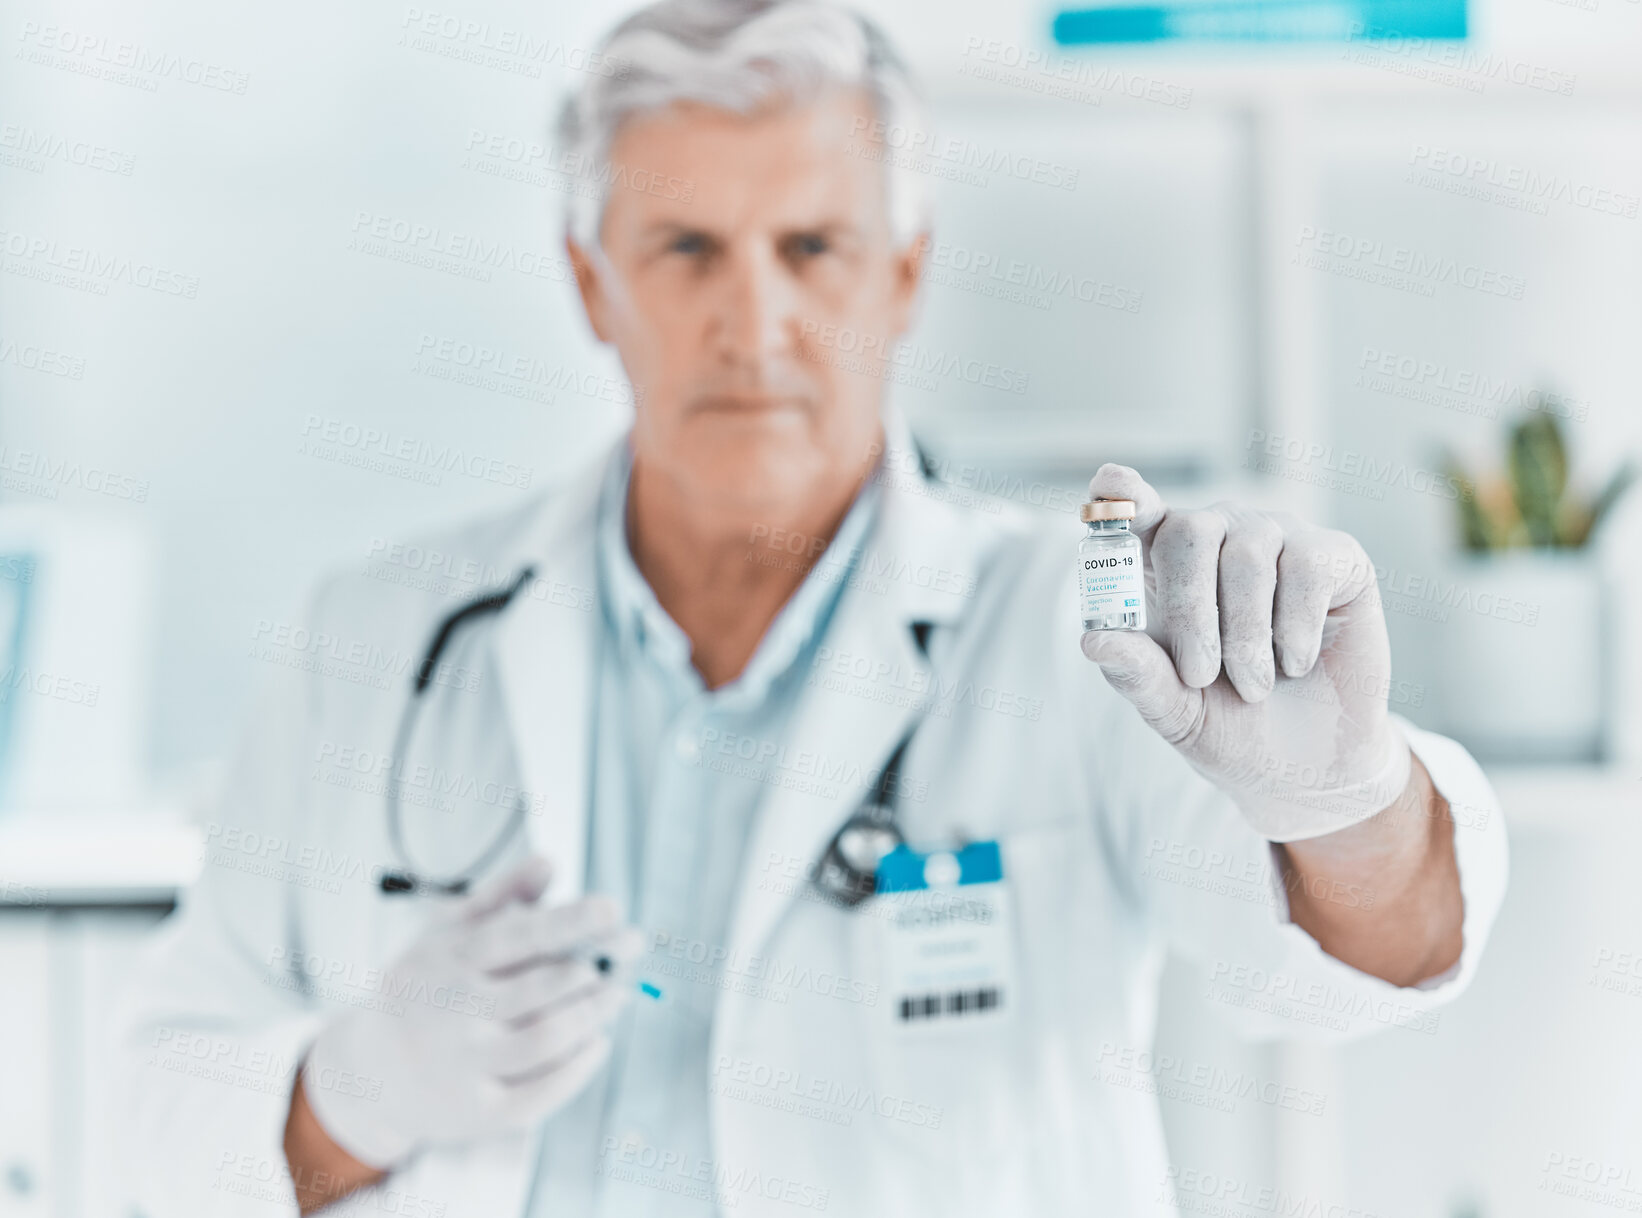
(1474, 523)
(1539, 509)
(1539, 476)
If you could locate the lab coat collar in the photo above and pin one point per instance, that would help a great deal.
(927, 549)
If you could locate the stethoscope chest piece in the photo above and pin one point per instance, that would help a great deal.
(864, 845)
(848, 873)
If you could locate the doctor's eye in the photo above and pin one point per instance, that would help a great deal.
(800, 247)
(691, 245)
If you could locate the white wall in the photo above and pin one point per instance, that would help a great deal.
(256, 196)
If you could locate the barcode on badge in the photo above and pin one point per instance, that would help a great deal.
(958, 1002)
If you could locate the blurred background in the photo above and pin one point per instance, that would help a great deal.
(1377, 263)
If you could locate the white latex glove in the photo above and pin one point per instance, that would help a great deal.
(490, 1025)
(1265, 661)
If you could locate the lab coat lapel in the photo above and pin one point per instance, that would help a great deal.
(849, 732)
(851, 736)
(545, 651)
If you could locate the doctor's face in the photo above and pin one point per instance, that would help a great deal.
(740, 308)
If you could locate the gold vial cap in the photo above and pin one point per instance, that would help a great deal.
(1107, 509)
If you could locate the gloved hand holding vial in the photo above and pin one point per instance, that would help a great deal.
(1258, 650)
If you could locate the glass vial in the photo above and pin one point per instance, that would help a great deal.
(1111, 578)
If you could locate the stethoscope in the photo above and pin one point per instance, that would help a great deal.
(846, 874)
(407, 878)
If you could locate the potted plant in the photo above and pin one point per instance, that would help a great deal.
(1522, 671)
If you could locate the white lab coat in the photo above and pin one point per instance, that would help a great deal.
(1114, 848)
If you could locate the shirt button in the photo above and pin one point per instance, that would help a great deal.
(686, 747)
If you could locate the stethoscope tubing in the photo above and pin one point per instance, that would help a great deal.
(407, 879)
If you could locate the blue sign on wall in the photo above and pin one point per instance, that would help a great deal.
(1263, 21)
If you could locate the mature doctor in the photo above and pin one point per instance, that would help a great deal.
(752, 619)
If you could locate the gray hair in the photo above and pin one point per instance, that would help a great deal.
(741, 55)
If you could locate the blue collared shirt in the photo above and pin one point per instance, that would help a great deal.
(677, 781)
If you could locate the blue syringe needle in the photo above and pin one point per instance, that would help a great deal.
(605, 964)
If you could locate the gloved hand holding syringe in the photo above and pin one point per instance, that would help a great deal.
(507, 1002)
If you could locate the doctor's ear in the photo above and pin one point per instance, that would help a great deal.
(595, 300)
(908, 275)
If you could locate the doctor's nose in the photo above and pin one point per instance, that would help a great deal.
(757, 318)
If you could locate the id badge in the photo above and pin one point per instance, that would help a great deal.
(949, 936)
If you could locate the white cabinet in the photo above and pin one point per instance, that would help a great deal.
(29, 1098)
(59, 1137)
(100, 947)
(77, 895)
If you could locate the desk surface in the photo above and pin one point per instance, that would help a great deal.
(136, 858)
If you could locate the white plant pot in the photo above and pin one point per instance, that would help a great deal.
(1521, 657)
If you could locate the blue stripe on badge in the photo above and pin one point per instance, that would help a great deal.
(902, 869)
